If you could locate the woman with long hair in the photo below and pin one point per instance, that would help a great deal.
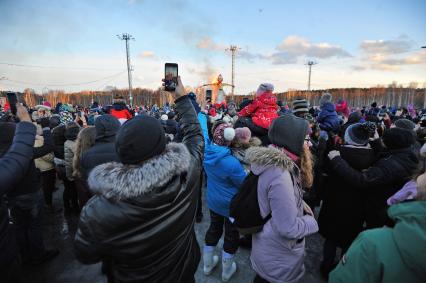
(85, 140)
(284, 168)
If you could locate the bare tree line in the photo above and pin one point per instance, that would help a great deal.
(358, 97)
(392, 95)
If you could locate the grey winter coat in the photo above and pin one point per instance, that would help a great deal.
(69, 151)
(278, 250)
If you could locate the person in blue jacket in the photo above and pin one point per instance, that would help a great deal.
(328, 119)
(225, 174)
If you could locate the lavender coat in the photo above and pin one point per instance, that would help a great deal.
(276, 255)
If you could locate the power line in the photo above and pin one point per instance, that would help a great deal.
(53, 67)
(68, 84)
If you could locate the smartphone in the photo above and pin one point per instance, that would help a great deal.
(170, 76)
(13, 99)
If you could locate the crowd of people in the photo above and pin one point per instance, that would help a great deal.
(136, 176)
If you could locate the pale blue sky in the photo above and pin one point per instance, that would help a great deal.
(276, 37)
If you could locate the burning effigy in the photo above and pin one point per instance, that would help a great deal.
(218, 95)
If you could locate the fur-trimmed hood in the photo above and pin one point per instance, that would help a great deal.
(121, 181)
(260, 158)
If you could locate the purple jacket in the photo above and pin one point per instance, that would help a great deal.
(278, 250)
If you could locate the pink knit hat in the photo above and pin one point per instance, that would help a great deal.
(223, 134)
(243, 135)
(265, 87)
(47, 103)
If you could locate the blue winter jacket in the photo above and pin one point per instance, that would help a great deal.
(328, 119)
(225, 174)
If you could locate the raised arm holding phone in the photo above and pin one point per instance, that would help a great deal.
(13, 167)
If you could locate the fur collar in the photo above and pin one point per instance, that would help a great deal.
(121, 181)
(268, 156)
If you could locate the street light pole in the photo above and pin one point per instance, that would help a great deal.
(127, 37)
(233, 49)
(310, 64)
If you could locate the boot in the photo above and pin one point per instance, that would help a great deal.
(229, 267)
(210, 261)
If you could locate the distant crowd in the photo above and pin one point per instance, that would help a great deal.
(272, 173)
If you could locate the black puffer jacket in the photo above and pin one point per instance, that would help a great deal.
(142, 216)
(380, 181)
(102, 152)
(31, 182)
(58, 134)
(13, 168)
(104, 149)
(341, 217)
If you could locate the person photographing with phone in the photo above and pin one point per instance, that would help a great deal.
(25, 199)
(14, 164)
(142, 215)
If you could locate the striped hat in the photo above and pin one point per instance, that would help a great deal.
(300, 106)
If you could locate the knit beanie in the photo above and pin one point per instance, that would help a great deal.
(65, 117)
(171, 115)
(71, 131)
(164, 117)
(223, 134)
(47, 104)
(106, 126)
(354, 117)
(405, 124)
(300, 106)
(398, 138)
(243, 135)
(140, 139)
(325, 98)
(54, 121)
(244, 103)
(289, 131)
(265, 87)
(358, 134)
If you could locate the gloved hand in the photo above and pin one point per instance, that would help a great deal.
(333, 154)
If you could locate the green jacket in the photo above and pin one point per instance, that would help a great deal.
(388, 255)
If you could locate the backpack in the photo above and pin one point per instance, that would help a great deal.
(244, 207)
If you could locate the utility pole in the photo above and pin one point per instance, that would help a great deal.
(127, 37)
(310, 64)
(233, 49)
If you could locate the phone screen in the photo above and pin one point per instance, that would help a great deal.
(12, 98)
(170, 76)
